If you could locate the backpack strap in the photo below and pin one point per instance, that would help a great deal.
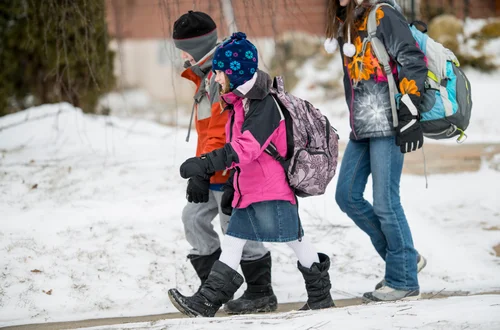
(279, 84)
(383, 58)
(190, 122)
(422, 24)
(271, 148)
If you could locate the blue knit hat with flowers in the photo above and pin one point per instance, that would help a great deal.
(237, 58)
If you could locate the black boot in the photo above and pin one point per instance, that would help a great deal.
(317, 284)
(259, 295)
(203, 264)
(218, 288)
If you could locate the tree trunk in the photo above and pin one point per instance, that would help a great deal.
(228, 12)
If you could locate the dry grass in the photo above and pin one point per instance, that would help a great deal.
(490, 31)
(497, 250)
(445, 30)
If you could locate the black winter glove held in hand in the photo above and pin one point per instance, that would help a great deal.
(409, 135)
(207, 164)
(198, 189)
(196, 166)
(227, 199)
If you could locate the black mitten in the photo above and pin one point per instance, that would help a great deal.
(198, 189)
(207, 164)
(409, 135)
(227, 197)
(196, 166)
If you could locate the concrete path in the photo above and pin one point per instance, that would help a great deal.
(152, 318)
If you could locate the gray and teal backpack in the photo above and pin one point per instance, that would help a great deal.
(446, 105)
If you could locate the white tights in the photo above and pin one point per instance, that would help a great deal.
(232, 248)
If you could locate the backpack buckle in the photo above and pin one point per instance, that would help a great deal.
(462, 137)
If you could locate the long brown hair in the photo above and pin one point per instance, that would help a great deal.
(333, 22)
(224, 90)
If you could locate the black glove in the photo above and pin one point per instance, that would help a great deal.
(197, 166)
(197, 190)
(206, 165)
(409, 135)
(227, 197)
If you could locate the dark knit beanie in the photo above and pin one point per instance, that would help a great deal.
(238, 58)
(195, 33)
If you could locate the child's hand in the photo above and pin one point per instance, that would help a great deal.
(227, 199)
(196, 166)
(198, 190)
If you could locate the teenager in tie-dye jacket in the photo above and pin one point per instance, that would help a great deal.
(376, 147)
(265, 208)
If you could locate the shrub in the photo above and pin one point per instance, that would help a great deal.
(53, 51)
(489, 31)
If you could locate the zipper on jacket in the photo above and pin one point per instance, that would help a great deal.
(231, 126)
(351, 110)
(238, 170)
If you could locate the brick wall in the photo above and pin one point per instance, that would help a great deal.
(463, 8)
(148, 19)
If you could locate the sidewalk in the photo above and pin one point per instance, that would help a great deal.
(153, 318)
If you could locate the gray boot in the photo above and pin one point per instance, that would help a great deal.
(421, 263)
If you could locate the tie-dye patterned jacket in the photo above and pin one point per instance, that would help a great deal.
(367, 90)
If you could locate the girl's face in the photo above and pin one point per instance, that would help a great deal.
(344, 3)
(220, 77)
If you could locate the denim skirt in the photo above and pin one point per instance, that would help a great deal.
(269, 221)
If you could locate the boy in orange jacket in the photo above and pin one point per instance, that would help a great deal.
(195, 34)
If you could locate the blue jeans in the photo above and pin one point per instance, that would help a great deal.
(385, 221)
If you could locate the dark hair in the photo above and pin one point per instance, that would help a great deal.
(333, 20)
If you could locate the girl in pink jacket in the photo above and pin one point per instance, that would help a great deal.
(264, 205)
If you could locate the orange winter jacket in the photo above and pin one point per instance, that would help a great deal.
(210, 120)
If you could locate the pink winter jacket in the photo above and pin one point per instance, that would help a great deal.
(255, 121)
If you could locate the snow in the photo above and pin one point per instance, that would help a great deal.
(478, 312)
(91, 210)
(137, 103)
(469, 43)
